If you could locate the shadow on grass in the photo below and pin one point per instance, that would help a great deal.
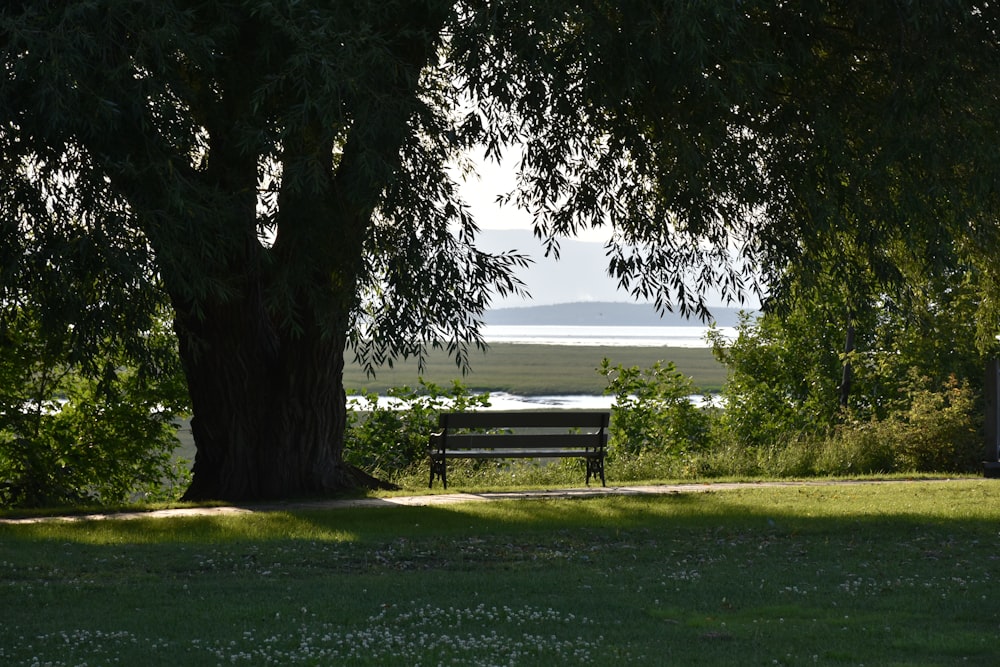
(825, 508)
(892, 574)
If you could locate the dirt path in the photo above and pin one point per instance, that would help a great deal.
(451, 498)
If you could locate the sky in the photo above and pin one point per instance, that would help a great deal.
(581, 272)
(494, 180)
(579, 275)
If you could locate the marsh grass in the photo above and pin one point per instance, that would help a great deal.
(845, 574)
(526, 369)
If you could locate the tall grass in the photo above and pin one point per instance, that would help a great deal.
(541, 369)
(834, 575)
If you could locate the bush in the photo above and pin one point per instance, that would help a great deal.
(102, 433)
(653, 411)
(934, 430)
(92, 448)
(940, 430)
(388, 440)
(782, 379)
(865, 448)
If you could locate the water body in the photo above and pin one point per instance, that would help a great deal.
(504, 401)
(603, 336)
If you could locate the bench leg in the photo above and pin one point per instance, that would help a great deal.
(595, 468)
(439, 469)
(435, 471)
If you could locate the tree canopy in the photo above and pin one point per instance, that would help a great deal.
(284, 173)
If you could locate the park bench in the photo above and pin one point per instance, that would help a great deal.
(520, 434)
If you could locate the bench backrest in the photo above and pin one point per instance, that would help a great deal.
(523, 419)
(592, 434)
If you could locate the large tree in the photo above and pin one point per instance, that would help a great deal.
(288, 169)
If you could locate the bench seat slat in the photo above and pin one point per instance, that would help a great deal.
(521, 441)
(523, 454)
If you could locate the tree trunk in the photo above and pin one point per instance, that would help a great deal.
(265, 359)
(848, 371)
(269, 410)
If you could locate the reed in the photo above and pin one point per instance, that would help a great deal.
(533, 370)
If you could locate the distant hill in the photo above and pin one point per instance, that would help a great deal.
(601, 313)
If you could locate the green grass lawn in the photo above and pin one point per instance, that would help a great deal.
(543, 369)
(867, 574)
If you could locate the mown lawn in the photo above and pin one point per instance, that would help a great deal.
(873, 574)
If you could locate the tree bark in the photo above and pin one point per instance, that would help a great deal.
(270, 410)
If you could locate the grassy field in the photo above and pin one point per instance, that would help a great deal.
(873, 574)
(544, 369)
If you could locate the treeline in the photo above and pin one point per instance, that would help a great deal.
(817, 385)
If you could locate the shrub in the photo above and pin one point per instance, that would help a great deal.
(863, 448)
(939, 432)
(102, 433)
(782, 379)
(934, 430)
(653, 411)
(390, 438)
